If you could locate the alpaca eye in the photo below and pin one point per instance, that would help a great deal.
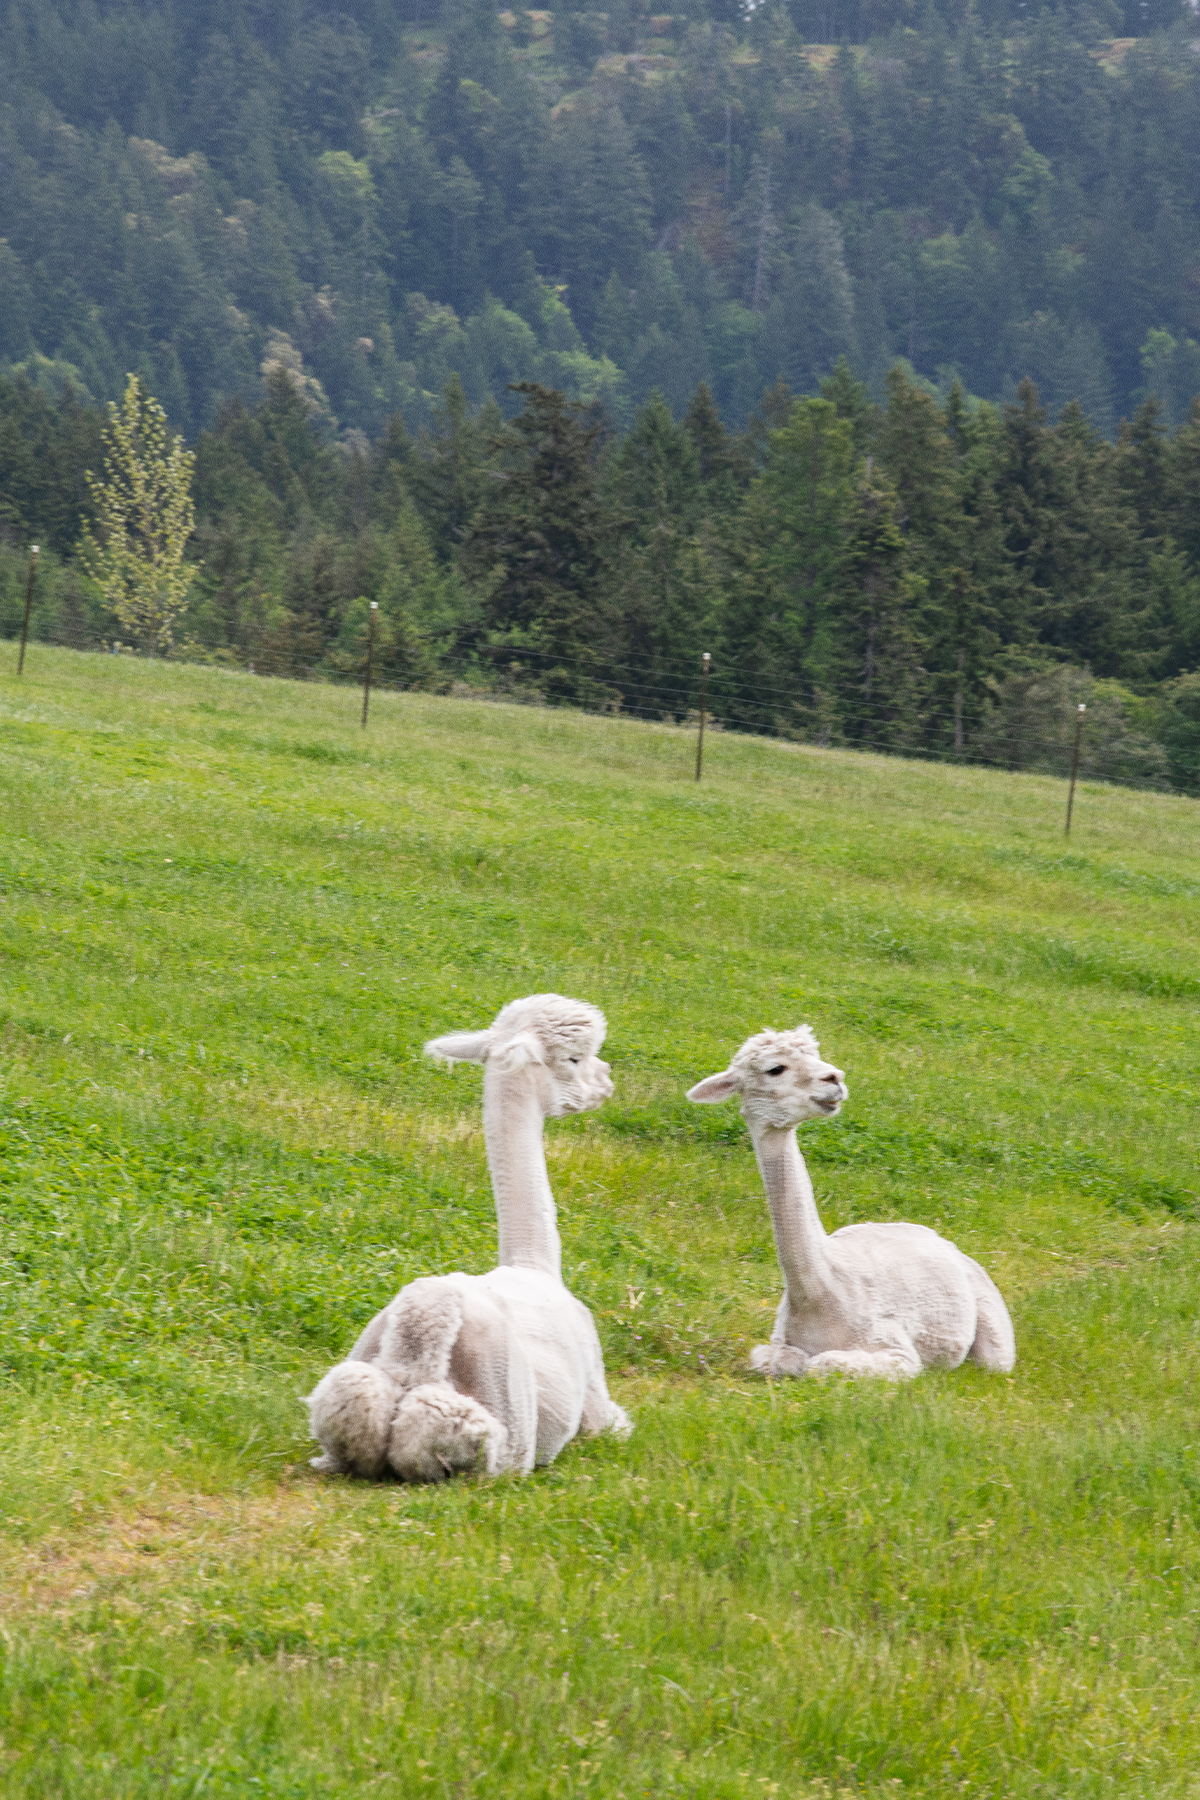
(778, 1071)
(573, 1059)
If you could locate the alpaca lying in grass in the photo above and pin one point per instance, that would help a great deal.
(870, 1299)
(493, 1371)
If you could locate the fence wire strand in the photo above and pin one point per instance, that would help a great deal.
(852, 719)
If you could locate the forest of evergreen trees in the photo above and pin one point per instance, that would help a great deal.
(852, 341)
(945, 579)
(380, 194)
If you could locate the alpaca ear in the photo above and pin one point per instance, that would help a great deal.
(459, 1046)
(518, 1052)
(715, 1087)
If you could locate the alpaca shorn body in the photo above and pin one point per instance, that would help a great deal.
(886, 1299)
(498, 1371)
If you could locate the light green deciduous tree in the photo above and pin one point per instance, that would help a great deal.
(143, 517)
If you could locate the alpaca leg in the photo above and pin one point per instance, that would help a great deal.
(779, 1359)
(601, 1412)
(420, 1328)
(619, 1422)
(366, 1348)
(351, 1411)
(893, 1364)
(995, 1346)
(437, 1432)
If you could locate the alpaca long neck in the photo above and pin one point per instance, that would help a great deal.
(513, 1126)
(800, 1238)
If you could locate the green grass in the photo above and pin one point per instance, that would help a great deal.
(229, 918)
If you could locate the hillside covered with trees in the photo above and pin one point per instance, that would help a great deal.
(945, 579)
(377, 196)
(584, 342)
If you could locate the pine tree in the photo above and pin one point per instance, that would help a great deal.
(1100, 613)
(773, 412)
(879, 644)
(975, 607)
(852, 401)
(1143, 465)
(913, 445)
(663, 581)
(319, 588)
(780, 657)
(1182, 487)
(654, 475)
(45, 447)
(703, 424)
(1029, 495)
(725, 467)
(449, 476)
(537, 547)
(810, 321)
(614, 332)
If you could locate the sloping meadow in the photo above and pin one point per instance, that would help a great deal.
(228, 920)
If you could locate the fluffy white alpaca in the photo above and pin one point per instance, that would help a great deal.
(870, 1299)
(494, 1371)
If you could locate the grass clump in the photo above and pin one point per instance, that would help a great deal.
(228, 920)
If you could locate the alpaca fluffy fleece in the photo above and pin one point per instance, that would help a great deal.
(351, 1412)
(370, 1426)
(559, 1026)
(399, 1411)
(540, 1028)
(437, 1432)
(765, 1050)
(419, 1330)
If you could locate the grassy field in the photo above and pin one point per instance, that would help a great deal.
(229, 918)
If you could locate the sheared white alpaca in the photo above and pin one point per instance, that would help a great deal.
(493, 1371)
(870, 1299)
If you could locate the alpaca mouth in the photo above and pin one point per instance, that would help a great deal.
(587, 1104)
(830, 1106)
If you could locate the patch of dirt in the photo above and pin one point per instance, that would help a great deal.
(150, 1542)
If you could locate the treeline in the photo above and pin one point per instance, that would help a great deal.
(938, 578)
(610, 203)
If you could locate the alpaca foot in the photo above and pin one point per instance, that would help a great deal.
(619, 1422)
(891, 1365)
(779, 1359)
(438, 1432)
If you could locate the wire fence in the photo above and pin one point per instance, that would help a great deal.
(1029, 721)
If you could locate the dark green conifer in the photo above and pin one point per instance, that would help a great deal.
(852, 400)
(449, 474)
(537, 548)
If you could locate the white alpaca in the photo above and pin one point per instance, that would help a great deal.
(493, 1371)
(870, 1299)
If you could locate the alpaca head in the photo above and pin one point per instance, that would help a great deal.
(781, 1079)
(552, 1040)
